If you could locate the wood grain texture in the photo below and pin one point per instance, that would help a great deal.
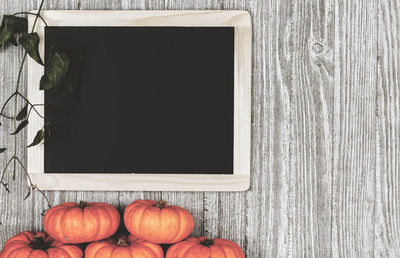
(325, 132)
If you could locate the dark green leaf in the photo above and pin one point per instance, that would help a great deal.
(30, 42)
(55, 71)
(38, 138)
(12, 41)
(19, 24)
(21, 126)
(6, 187)
(45, 83)
(29, 193)
(10, 26)
(2, 150)
(73, 78)
(6, 33)
(23, 113)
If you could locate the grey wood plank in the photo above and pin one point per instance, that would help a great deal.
(308, 169)
(387, 231)
(354, 161)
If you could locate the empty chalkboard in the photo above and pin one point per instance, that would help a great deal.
(151, 100)
(164, 102)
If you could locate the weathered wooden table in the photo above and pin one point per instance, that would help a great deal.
(326, 128)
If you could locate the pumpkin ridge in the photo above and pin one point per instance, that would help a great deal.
(132, 214)
(181, 247)
(112, 212)
(71, 248)
(19, 249)
(103, 247)
(219, 247)
(187, 250)
(140, 220)
(65, 225)
(82, 223)
(114, 248)
(57, 223)
(27, 237)
(149, 250)
(178, 233)
(231, 245)
(223, 250)
(185, 216)
(96, 214)
(48, 216)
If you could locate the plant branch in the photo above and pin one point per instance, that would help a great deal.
(38, 15)
(5, 104)
(15, 95)
(31, 185)
(32, 105)
(5, 169)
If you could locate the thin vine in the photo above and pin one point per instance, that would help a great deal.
(61, 72)
(24, 114)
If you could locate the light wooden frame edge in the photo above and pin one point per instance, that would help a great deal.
(239, 181)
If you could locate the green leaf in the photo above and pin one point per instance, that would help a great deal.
(12, 41)
(38, 138)
(2, 150)
(21, 126)
(28, 194)
(6, 187)
(19, 24)
(73, 78)
(56, 69)
(6, 34)
(23, 113)
(30, 42)
(10, 26)
(45, 83)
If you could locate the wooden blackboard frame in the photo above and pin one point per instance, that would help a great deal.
(239, 181)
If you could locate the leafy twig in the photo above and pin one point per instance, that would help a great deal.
(32, 106)
(15, 95)
(31, 185)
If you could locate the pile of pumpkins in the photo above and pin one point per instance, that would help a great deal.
(94, 230)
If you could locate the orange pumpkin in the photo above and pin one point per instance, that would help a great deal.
(202, 247)
(157, 222)
(80, 223)
(124, 247)
(35, 245)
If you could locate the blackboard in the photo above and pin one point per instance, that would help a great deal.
(164, 102)
(151, 100)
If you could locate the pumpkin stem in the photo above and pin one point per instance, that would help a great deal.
(39, 243)
(161, 204)
(122, 242)
(207, 242)
(82, 204)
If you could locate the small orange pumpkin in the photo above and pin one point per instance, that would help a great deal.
(124, 247)
(157, 222)
(80, 223)
(202, 247)
(38, 245)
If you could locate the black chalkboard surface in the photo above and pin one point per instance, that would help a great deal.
(151, 100)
